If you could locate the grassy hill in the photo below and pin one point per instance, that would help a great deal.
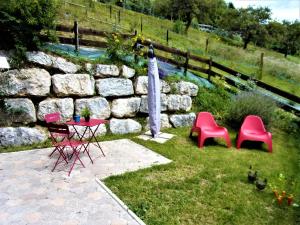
(283, 73)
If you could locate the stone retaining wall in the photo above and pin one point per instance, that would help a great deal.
(110, 92)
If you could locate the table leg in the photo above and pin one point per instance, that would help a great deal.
(76, 157)
(97, 142)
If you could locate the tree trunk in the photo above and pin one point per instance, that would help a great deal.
(188, 24)
(245, 44)
(246, 41)
(286, 52)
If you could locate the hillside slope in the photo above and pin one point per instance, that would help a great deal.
(283, 73)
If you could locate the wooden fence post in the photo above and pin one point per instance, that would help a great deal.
(187, 57)
(76, 36)
(261, 65)
(110, 11)
(209, 68)
(141, 24)
(167, 37)
(119, 15)
(206, 45)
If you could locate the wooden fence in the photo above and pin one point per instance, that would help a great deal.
(212, 68)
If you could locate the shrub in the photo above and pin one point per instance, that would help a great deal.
(214, 100)
(179, 27)
(286, 121)
(250, 103)
(21, 22)
(117, 49)
(179, 59)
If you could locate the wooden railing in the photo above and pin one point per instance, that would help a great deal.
(212, 68)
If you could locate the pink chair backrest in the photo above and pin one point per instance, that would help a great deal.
(253, 122)
(52, 117)
(205, 119)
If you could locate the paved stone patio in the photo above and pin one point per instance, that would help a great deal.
(31, 194)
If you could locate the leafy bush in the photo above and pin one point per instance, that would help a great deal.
(179, 27)
(179, 59)
(117, 49)
(21, 22)
(214, 100)
(286, 121)
(250, 103)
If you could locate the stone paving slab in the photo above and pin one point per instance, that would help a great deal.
(161, 138)
(31, 194)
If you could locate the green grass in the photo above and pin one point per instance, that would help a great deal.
(278, 71)
(209, 186)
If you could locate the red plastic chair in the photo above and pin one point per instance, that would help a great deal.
(206, 127)
(61, 146)
(253, 129)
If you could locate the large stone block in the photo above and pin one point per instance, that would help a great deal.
(64, 106)
(141, 86)
(127, 72)
(163, 103)
(164, 122)
(179, 103)
(98, 106)
(19, 110)
(114, 87)
(4, 62)
(106, 71)
(186, 88)
(25, 82)
(125, 107)
(17, 136)
(124, 126)
(73, 84)
(49, 61)
(183, 120)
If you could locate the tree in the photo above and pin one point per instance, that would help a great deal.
(185, 10)
(276, 35)
(211, 12)
(161, 9)
(291, 40)
(284, 37)
(249, 23)
(206, 11)
(143, 6)
(230, 5)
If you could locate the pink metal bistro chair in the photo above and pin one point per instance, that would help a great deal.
(253, 129)
(56, 137)
(206, 127)
(65, 144)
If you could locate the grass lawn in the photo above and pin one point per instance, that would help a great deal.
(210, 186)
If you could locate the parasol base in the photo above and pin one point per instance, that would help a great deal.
(160, 137)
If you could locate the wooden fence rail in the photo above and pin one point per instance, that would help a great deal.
(88, 31)
(211, 65)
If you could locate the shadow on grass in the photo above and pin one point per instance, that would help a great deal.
(248, 145)
(210, 141)
(255, 145)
